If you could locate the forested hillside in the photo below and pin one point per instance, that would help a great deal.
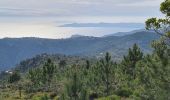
(14, 50)
(137, 76)
(57, 59)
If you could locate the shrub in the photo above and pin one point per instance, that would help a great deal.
(124, 92)
(112, 97)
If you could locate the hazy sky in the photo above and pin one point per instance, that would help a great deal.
(40, 18)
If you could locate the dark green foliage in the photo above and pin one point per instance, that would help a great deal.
(87, 64)
(39, 61)
(136, 77)
(45, 97)
(124, 92)
(165, 7)
(153, 71)
(74, 87)
(106, 68)
(48, 70)
(14, 77)
(129, 61)
(112, 97)
(161, 26)
(62, 64)
(84, 95)
(35, 76)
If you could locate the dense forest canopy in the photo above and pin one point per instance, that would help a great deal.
(135, 77)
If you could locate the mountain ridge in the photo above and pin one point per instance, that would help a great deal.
(14, 50)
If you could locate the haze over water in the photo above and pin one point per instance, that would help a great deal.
(41, 18)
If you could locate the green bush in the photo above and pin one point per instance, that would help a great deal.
(112, 97)
(124, 92)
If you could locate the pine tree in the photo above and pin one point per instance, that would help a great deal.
(161, 26)
(74, 87)
(106, 70)
(161, 54)
(48, 71)
(35, 76)
(130, 60)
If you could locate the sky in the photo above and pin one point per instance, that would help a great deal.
(41, 18)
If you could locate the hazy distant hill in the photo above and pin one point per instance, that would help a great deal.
(76, 36)
(13, 50)
(122, 25)
(126, 33)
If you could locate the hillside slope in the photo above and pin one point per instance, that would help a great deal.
(14, 50)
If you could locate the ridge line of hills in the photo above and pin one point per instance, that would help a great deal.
(14, 50)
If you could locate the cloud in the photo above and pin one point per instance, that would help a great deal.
(57, 8)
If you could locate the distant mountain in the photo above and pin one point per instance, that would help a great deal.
(122, 25)
(127, 33)
(76, 36)
(14, 50)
